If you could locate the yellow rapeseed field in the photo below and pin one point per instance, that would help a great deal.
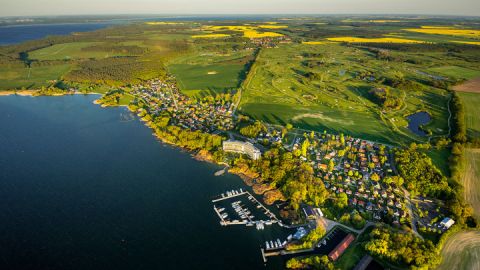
(273, 26)
(248, 30)
(211, 36)
(374, 40)
(443, 30)
(467, 42)
(255, 34)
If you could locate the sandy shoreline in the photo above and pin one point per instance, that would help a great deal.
(18, 92)
(33, 92)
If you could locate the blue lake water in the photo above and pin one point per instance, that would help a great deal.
(416, 120)
(80, 188)
(20, 33)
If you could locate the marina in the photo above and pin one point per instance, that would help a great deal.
(240, 207)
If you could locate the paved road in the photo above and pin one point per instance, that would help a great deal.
(330, 224)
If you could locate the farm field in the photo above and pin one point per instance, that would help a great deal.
(206, 72)
(471, 103)
(472, 85)
(18, 76)
(471, 179)
(461, 251)
(214, 78)
(71, 51)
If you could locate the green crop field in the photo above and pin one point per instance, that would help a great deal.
(70, 51)
(203, 71)
(471, 102)
(214, 78)
(17, 77)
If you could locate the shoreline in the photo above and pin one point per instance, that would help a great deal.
(200, 155)
(32, 93)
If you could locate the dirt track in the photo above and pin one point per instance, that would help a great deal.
(472, 86)
(462, 252)
(471, 179)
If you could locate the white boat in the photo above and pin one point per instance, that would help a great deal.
(268, 246)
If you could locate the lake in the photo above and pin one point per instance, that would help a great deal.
(416, 120)
(81, 188)
(20, 33)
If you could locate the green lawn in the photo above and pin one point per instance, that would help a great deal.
(18, 76)
(457, 72)
(125, 99)
(471, 103)
(351, 257)
(440, 159)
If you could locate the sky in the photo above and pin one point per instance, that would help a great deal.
(95, 7)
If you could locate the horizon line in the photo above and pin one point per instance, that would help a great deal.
(245, 14)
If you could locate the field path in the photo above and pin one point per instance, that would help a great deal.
(471, 180)
(461, 252)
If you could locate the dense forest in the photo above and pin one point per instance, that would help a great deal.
(402, 248)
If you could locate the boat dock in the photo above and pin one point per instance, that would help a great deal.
(246, 215)
(230, 194)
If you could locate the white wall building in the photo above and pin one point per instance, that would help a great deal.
(242, 148)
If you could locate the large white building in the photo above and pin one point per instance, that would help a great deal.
(242, 148)
(447, 222)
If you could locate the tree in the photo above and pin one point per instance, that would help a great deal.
(375, 177)
(331, 165)
(305, 145)
(342, 200)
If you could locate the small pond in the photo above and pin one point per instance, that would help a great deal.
(416, 120)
